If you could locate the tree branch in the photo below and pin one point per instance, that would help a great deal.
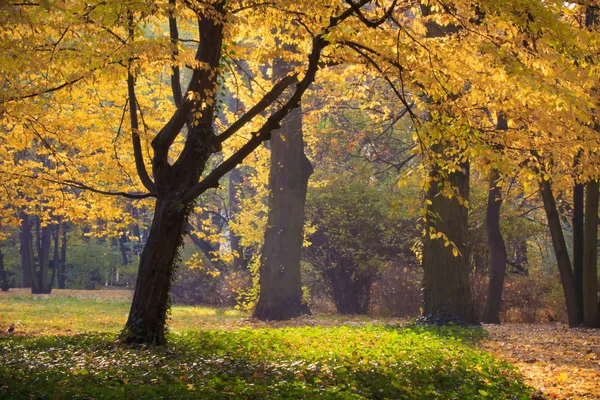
(259, 107)
(274, 121)
(140, 166)
(174, 34)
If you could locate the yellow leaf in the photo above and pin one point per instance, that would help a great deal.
(455, 251)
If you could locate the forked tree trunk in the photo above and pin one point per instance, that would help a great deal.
(280, 296)
(497, 248)
(148, 314)
(446, 285)
(562, 256)
(590, 257)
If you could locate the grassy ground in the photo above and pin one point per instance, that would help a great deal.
(218, 353)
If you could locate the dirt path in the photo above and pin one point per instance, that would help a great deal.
(562, 363)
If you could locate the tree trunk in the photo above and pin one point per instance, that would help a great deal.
(562, 256)
(27, 257)
(3, 279)
(148, 313)
(123, 248)
(521, 265)
(55, 260)
(280, 295)
(62, 264)
(44, 256)
(590, 257)
(235, 178)
(578, 241)
(446, 285)
(498, 256)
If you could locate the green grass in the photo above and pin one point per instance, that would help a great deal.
(334, 362)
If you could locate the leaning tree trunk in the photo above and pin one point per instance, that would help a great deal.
(147, 317)
(562, 256)
(446, 285)
(498, 256)
(590, 257)
(280, 296)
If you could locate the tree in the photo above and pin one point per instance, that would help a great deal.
(280, 296)
(176, 179)
(497, 248)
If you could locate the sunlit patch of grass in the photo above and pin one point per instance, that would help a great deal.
(309, 362)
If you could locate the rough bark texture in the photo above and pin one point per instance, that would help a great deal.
(497, 248)
(3, 278)
(577, 221)
(446, 286)
(148, 314)
(562, 255)
(590, 257)
(280, 295)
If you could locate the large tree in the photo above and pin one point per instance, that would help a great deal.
(112, 35)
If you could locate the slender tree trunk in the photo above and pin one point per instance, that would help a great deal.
(62, 264)
(498, 256)
(590, 257)
(3, 279)
(27, 256)
(55, 261)
(44, 256)
(446, 285)
(577, 222)
(148, 314)
(280, 295)
(123, 248)
(235, 178)
(562, 256)
(521, 262)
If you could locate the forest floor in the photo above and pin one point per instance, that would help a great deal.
(559, 362)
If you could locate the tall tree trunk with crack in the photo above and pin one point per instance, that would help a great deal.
(280, 296)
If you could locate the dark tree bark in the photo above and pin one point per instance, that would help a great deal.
(446, 285)
(44, 256)
(3, 279)
(578, 228)
(280, 295)
(498, 256)
(27, 255)
(55, 260)
(590, 257)
(62, 264)
(562, 256)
